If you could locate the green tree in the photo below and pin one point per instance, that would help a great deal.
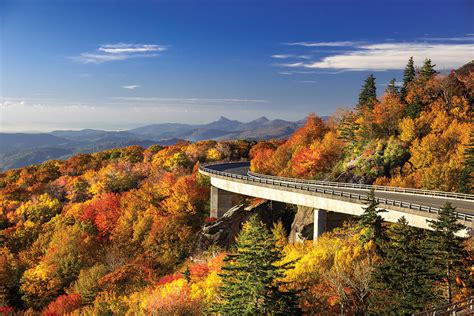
(405, 274)
(251, 276)
(392, 87)
(87, 283)
(427, 71)
(447, 249)
(372, 222)
(368, 93)
(466, 179)
(408, 76)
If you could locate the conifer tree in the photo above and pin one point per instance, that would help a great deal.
(373, 222)
(392, 87)
(368, 93)
(427, 71)
(405, 274)
(466, 179)
(447, 249)
(408, 76)
(251, 276)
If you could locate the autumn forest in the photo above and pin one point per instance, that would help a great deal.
(115, 232)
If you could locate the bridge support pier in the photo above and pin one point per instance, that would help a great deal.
(222, 201)
(320, 223)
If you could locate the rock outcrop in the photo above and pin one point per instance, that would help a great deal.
(302, 227)
(223, 231)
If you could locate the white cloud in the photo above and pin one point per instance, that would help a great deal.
(120, 51)
(91, 58)
(285, 56)
(123, 48)
(187, 101)
(296, 72)
(130, 87)
(391, 56)
(325, 44)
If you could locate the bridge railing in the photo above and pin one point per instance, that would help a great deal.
(464, 307)
(461, 196)
(330, 191)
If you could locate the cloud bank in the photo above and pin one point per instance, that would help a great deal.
(388, 55)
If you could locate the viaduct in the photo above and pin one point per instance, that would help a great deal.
(331, 200)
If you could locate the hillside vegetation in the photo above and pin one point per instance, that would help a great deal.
(416, 136)
(113, 232)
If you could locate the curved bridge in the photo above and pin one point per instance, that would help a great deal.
(231, 178)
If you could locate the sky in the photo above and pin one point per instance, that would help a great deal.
(116, 65)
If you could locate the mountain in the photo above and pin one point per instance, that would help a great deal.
(21, 149)
(22, 140)
(223, 124)
(166, 129)
(261, 121)
(223, 129)
(93, 135)
(31, 156)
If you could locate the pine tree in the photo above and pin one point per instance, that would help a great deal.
(447, 248)
(392, 87)
(251, 276)
(408, 76)
(466, 179)
(405, 274)
(368, 93)
(427, 71)
(372, 222)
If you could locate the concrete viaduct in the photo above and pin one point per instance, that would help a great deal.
(229, 181)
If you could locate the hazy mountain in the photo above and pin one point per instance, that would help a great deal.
(21, 149)
(31, 156)
(93, 135)
(223, 128)
(22, 141)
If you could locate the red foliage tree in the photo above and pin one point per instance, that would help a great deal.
(103, 212)
(64, 304)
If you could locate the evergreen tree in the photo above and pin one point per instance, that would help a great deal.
(372, 222)
(347, 129)
(466, 179)
(405, 274)
(427, 71)
(447, 249)
(251, 276)
(413, 109)
(368, 93)
(408, 76)
(392, 87)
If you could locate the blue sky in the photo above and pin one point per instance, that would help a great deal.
(121, 64)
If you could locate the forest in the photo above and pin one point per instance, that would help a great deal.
(113, 232)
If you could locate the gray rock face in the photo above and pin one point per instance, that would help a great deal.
(302, 227)
(224, 230)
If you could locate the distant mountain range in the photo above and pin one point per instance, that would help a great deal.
(22, 149)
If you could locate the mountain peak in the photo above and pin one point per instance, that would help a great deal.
(223, 119)
(262, 119)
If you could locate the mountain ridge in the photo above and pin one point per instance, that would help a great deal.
(22, 149)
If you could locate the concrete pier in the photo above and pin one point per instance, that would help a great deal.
(222, 201)
(320, 223)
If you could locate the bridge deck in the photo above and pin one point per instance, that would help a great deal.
(462, 206)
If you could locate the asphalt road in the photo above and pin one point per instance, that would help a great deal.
(462, 206)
